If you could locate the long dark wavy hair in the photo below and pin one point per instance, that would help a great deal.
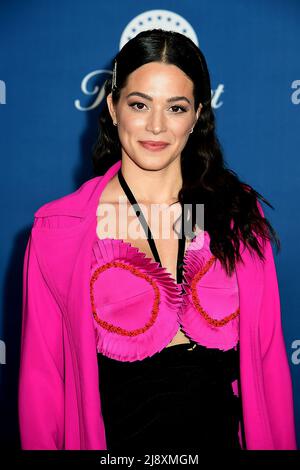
(206, 178)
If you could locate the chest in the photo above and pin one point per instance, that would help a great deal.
(137, 305)
(119, 221)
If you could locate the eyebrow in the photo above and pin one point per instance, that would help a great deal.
(147, 97)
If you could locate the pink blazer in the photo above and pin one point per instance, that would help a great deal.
(59, 403)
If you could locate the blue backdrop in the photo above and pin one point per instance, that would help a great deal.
(54, 57)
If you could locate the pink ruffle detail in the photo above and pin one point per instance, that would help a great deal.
(215, 293)
(127, 324)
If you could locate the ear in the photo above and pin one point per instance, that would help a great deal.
(111, 107)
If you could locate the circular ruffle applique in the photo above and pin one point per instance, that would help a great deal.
(209, 313)
(135, 302)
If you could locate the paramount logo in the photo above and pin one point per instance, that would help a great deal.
(89, 89)
(148, 19)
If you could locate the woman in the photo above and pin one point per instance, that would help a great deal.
(152, 342)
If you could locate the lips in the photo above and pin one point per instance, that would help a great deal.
(153, 145)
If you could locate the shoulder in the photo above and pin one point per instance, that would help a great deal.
(67, 211)
(73, 204)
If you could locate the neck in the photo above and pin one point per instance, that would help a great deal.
(153, 186)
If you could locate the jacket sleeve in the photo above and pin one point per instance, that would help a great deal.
(41, 380)
(276, 372)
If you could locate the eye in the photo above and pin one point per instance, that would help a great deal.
(177, 107)
(182, 108)
(136, 103)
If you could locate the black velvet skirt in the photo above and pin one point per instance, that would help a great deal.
(181, 398)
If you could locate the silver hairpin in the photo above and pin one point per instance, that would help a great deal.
(114, 77)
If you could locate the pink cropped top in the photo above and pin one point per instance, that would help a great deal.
(138, 307)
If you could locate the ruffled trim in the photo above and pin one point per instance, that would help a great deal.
(212, 331)
(135, 344)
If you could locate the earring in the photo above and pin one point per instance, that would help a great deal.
(191, 130)
(115, 123)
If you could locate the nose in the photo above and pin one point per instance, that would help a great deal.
(156, 122)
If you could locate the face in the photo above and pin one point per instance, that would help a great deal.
(166, 114)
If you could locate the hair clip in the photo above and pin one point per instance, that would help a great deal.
(114, 77)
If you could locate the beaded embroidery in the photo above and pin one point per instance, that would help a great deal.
(138, 307)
